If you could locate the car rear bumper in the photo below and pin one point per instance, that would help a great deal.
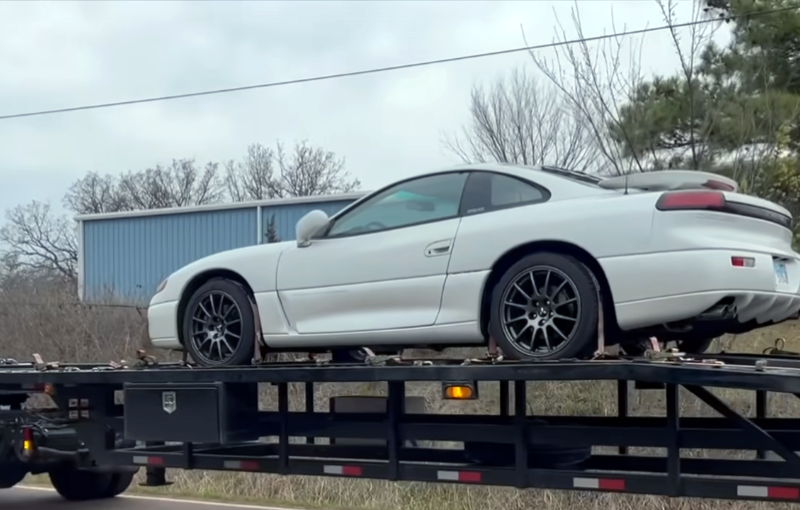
(673, 286)
(162, 324)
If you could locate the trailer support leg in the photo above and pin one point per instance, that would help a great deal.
(155, 476)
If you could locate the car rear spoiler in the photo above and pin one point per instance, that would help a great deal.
(668, 180)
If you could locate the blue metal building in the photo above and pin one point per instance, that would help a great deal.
(125, 255)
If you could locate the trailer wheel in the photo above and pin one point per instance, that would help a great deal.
(219, 325)
(539, 456)
(11, 473)
(545, 307)
(77, 485)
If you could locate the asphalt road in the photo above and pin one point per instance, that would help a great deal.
(20, 498)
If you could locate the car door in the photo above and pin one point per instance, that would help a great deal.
(492, 204)
(378, 266)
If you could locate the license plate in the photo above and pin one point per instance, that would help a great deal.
(781, 275)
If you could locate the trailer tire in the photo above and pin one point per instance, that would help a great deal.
(539, 456)
(11, 473)
(77, 485)
(119, 484)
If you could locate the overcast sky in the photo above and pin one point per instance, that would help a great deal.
(387, 126)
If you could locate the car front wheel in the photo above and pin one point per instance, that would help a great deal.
(219, 325)
(545, 307)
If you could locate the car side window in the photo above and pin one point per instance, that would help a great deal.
(488, 191)
(430, 198)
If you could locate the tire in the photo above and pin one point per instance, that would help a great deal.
(689, 346)
(358, 356)
(210, 331)
(577, 299)
(119, 484)
(540, 456)
(12, 472)
(695, 345)
(76, 485)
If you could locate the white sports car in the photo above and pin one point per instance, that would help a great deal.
(526, 256)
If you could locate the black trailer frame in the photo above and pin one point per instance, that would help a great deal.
(213, 415)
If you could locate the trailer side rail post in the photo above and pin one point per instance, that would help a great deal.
(762, 399)
(309, 398)
(521, 442)
(622, 407)
(395, 410)
(504, 397)
(674, 444)
(283, 439)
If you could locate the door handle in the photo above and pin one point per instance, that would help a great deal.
(438, 248)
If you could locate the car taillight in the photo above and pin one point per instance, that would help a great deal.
(688, 200)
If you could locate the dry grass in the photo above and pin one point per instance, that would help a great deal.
(51, 323)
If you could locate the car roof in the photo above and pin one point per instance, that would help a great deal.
(546, 176)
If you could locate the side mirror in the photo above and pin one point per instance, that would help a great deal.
(309, 225)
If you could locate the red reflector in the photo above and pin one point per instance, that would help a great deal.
(469, 476)
(682, 200)
(610, 484)
(27, 434)
(743, 261)
(351, 470)
(155, 461)
(248, 465)
(783, 493)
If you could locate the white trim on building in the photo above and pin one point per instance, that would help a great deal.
(222, 207)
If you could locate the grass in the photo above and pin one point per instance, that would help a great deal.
(60, 329)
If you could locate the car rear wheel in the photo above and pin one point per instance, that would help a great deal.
(219, 325)
(545, 307)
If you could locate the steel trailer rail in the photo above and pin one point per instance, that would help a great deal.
(213, 416)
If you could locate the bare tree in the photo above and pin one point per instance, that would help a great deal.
(252, 178)
(182, 183)
(179, 185)
(95, 194)
(40, 241)
(596, 84)
(305, 171)
(519, 120)
(612, 98)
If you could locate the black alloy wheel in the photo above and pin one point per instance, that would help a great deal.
(545, 307)
(219, 325)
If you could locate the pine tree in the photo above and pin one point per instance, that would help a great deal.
(272, 231)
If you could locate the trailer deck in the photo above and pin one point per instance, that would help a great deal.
(213, 419)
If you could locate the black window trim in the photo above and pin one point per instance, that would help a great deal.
(324, 233)
(487, 208)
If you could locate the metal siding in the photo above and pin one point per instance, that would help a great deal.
(287, 216)
(128, 257)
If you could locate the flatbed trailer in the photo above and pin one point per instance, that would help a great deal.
(176, 415)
